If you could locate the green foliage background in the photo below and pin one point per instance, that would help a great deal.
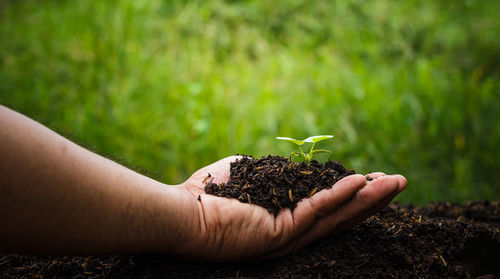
(410, 87)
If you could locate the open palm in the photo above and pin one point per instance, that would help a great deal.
(230, 229)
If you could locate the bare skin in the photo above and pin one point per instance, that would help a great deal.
(59, 198)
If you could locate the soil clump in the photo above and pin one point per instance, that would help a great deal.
(275, 182)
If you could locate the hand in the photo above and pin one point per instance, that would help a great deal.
(232, 230)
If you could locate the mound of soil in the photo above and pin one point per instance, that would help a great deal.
(440, 240)
(275, 182)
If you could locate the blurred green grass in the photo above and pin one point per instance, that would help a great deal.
(408, 87)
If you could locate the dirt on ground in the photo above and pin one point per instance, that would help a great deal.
(440, 240)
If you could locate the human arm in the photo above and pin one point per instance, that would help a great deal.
(58, 198)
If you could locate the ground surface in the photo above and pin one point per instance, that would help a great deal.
(440, 240)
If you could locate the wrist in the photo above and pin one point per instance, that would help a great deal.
(165, 221)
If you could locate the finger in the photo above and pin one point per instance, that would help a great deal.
(381, 205)
(310, 209)
(365, 214)
(403, 183)
(219, 171)
(374, 175)
(325, 225)
(375, 196)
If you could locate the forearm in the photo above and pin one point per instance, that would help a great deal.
(56, 197)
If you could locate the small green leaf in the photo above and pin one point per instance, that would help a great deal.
(318, 138)
(319, 151)
(297, 142)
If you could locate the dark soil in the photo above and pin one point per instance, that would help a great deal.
(275, 182)
(440, 240)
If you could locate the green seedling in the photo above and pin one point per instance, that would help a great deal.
(312, 152)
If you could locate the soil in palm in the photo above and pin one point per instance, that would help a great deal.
(275, 182)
